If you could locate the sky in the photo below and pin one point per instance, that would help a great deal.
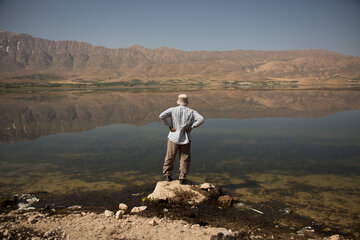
(213, 25)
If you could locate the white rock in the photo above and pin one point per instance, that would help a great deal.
(226, 232)
(138, 209)
(335, 237)
(119, 214)
(109, 213)
(206, 186)
(123, 206)
(172, 190)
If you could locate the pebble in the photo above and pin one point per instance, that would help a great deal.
(119, 214)
(109, 213)
(123, 206)
(75, 207)
(224, 233)
(206, 186)
(195, 226)
(153, 222)
(138, 209)
(225, 201)
(305, 230)
(335, 237)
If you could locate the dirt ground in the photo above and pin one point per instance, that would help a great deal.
(53, 219)
(89, 225)
(85, 225)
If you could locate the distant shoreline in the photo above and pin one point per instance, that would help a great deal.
(165, 85)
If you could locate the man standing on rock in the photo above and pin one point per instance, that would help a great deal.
(183, 120)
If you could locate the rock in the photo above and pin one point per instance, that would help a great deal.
(206, 186)
(138, 209)
(175, 192)
(305, 230)
(6, 232)
(25, 206)
(335, 237)
(32, 219)
(286, 210)
(242, 234)
(109, 213)
(119, 214)
(225, 201)
(195, 226)
(214, 193)
(153, 222)
(123, 206)
(223, 235)
(75, 207)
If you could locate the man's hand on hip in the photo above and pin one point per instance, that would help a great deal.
(189, 130)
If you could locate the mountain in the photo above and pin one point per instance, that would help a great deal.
(28, 116)
(24, 55)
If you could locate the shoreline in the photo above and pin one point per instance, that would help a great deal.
(203, 220)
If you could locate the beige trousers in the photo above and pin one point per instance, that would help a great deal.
(185, 157)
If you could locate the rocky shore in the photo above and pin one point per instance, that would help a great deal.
(172, 211)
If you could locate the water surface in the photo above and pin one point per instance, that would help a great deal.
(298, 147)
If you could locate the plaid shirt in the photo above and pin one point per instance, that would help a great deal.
(182, 118)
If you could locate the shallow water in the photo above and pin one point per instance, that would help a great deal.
(300, 148)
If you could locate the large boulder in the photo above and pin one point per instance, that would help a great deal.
(174, 192)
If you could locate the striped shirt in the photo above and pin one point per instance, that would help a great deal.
(182, 118)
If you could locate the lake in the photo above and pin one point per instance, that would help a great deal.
(300, 148)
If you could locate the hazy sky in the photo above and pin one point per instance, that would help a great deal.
(192, 25)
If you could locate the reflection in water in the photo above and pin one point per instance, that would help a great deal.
(27, 116)
(284, 146)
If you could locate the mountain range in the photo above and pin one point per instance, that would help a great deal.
(23, 56)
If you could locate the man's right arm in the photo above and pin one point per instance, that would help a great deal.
(164, 115)
(198, 120)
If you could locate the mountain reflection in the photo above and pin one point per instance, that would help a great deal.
(28, 116)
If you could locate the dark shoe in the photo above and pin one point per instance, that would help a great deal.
(182, 181)
(168, 178)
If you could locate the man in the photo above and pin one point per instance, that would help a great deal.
(183, 120)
